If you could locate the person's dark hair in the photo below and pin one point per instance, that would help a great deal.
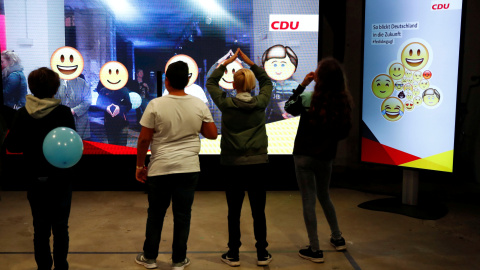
(177, 74)
(280, 51)
(331, 101)
(43, 82)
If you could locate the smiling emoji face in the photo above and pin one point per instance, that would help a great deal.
(409, 106)
(399, 85)
(226, 82)
(392, 109)
(113, 75)
(382, 86)
(396, 71)
(192, 66)
(279, 69)
(431, 97)
(414, 56)
(67, 62)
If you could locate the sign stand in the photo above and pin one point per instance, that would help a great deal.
(410, 187)
(409, 204)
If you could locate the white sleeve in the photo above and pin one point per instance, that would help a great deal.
(148, 117)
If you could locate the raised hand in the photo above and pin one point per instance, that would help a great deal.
(245, 58)
(231, 59)
(308, 79)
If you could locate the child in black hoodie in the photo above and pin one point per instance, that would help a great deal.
(50, 189)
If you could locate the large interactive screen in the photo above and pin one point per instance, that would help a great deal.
(410, 75)
(112, 55)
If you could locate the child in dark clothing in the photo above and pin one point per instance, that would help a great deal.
(50, 189)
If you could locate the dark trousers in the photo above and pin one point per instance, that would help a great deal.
(241, 179)
(50, 203)
(116, 129)
(180, 189)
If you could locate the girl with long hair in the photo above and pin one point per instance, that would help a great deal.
(325, 119)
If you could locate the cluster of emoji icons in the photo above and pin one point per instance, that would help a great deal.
(68, 63)
(406, 85)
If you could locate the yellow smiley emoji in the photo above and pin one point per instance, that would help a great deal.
(226, 82)
(417, 101)
(396, 71)
(414, 56)
(392, 109)
(409, 105)
(113, 75)
(192, 66)
(67, 62)
(382, 86)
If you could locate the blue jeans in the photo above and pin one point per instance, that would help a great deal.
(178, 188)
(50, 203)
(313, 177)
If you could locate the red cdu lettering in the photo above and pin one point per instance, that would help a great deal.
(294, 28)
(274, 25)
(440, 6)
(283, 25)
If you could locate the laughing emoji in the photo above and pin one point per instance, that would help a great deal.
(414, 56)
(392, 109)
(67, 62)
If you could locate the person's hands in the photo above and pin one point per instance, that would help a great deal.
(231, 59)
(141, 175)
(116, 111)
(109, 107)
(225, 57)
(308, 79)
(245, 58)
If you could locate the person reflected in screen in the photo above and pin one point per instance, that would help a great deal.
(325, 119)
(243, 154)
(141, 87)
(50, 188)
(280, 62)
(13, 79)
(77, 95)
(171, 125)
(115, 104)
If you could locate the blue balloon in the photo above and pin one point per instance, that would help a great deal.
(135, 99)
(63, 147)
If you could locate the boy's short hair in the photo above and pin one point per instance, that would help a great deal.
(177, 74)
(43, 82)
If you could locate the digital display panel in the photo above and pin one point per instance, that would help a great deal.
(101, 47)
(410, 75)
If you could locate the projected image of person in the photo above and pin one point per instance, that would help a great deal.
(114, 100)
(141, 87)
(171, 126)
(280, 62)
(13, 80)
(50, 188)
(76, 94)
(243, 154)
(325, 119)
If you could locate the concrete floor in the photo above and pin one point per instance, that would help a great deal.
(107, 231)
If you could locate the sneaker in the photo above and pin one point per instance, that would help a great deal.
(338, 244)
(181, 265)
(231, 259)
(148, 263)
(309, 254)
(264, 259)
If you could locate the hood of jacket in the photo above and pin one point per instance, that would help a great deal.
(40, 107)
(245, 101)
